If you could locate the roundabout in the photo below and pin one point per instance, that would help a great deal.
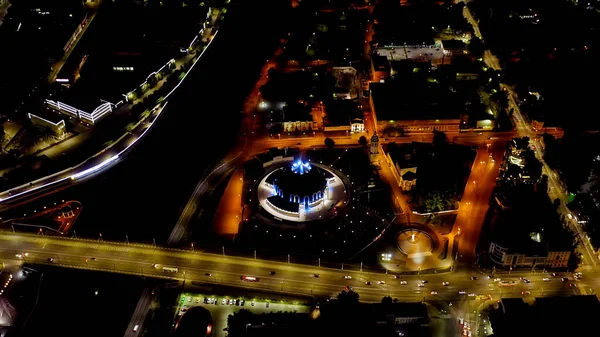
(415, 243)
(301, 191)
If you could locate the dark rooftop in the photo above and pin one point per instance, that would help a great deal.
(405, 155)
(453, 44)
(380, 63)
(296, 112)
(531, 213)
(339, 112)
(410, 101)
(410, 175)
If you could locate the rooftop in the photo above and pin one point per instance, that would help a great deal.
(407, 101)
(530, 219)
(453, 44)
(296, 112)
(405, 155)
(340, 112)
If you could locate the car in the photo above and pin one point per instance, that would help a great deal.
(242, 302)
(497, 279)
(93, 259)
(526, 280)
(368, 283)
(471, 295)
(445, 283)
(380, 282)
(50, 259)
(474, 278)
(155, 265)
(564, 279)
(348, 277)
(197, 299)
(546, 279)
(316, 275)
(205, 300)
(526, 292)
(252, 303)
(421, 284)
(189, 298)
(434, 292)
(490, 277)
(231, 301)
(136, 328)
(237, 302)
(207, 274)
(224, 301)
(397, 276)
(462, 292)
(423, 281)
(271, 273)
(268, 304)
(555, 274)
(403, 282)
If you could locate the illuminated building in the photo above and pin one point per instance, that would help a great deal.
(300, 184)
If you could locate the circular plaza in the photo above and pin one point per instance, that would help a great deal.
(301, 191)
(414, 242)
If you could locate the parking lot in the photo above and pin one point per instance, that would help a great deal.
(220, 311)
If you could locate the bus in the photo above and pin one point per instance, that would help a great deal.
(170, 269)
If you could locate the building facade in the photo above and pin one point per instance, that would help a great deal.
(507, 257)
(56, 128)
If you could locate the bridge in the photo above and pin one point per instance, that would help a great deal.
(148, 261)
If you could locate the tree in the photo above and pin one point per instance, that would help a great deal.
(236, 323)
(556, 203)
(439, 138)
(363, 141)
(434, 202)
(476, 47)
(348, 296)
(387, 300)
(330, 143)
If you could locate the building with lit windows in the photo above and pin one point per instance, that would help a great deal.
(91, 118)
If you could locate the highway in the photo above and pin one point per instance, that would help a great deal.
(296, 279)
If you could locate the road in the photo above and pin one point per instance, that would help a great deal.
(289, 278)
(476, 200)
(100, 161)
(524, 129)
(60, 63)
(139, 315)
